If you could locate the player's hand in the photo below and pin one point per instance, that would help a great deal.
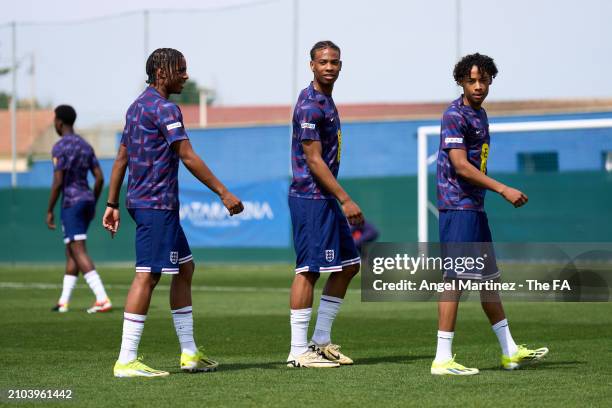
(232, 203)
(514, 196)
(352, 212)
(50, 220)
(110, 220)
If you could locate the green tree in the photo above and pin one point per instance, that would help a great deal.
(27, 103)
(4, 100)
(191, 95)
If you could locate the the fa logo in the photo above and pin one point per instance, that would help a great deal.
(329, 255)
(174, 257)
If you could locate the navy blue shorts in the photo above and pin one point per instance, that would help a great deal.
(76, 220)
(321, 236)
(466, 234)
(161, 244)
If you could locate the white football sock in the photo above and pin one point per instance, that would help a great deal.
(444, 352)
(95, 283)
(69, 284)
(300, 319)
(183, 323)
(506, 341)
(328, 309)
(133, 324)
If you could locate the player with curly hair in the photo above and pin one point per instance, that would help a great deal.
(462, 181)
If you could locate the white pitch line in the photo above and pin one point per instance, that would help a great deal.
(53, 286)
(244, 289)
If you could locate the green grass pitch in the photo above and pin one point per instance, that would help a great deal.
(241, 317)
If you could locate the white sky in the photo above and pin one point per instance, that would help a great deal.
(393, 50)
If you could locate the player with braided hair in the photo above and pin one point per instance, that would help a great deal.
(165, 59)
(153, 142)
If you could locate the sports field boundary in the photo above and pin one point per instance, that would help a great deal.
(196, 288)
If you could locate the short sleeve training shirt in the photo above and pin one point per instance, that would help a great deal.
(468, 129)
(152, 124)
(76, 158)
(315, 117)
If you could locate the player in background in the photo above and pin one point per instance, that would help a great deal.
(364, 233)
(321, 235)
(462, 183)
(73, 159)
(153, 142)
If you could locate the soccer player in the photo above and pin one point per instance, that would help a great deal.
(153, 142)
(73, 159)
(462, 183)
(321, 234)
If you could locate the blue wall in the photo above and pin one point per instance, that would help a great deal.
(371, 149)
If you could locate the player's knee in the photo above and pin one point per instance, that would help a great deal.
(76, 247)
(311, 277)
(144, 279)
(72, 247)
(69, 256)
(490, 299)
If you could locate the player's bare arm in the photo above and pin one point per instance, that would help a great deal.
(98, 183)
(110, 220)
(470, 173)
(56, 188)
(313, 151)
(200, 170)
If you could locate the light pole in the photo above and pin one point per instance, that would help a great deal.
(294, 64)
(14, 109)
(458, 29)
(145, 15)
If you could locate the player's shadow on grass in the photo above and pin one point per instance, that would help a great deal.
(275, 365)
(392, 359)
(544, 365)
(272, 365)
